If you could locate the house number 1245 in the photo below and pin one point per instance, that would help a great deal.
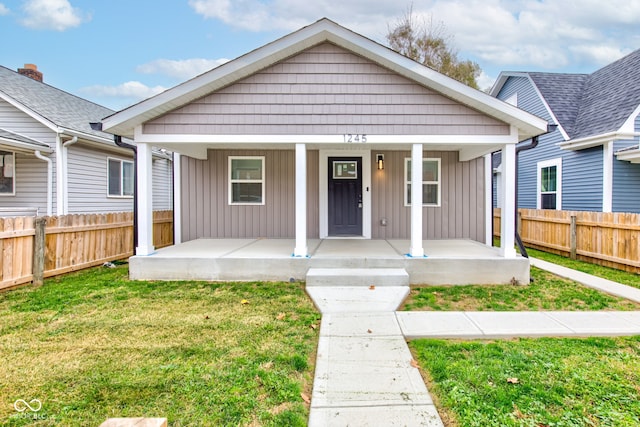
(350, 138)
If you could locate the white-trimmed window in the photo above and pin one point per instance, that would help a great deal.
(120, 178)
(7, 173)
(431, 173)
(246, 180)
(549, 188)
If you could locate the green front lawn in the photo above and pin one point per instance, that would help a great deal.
(95, 345)
(547, 292)
(534, 382)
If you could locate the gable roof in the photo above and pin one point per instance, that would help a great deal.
(53, 107)
(588, 105)
(124, 122)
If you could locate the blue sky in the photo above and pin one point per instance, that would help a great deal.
(117, 52)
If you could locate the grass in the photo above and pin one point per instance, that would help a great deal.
(547, 292)
(626, 278)
(95, 345)
(534, 382)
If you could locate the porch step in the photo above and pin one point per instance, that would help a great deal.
(363, 277)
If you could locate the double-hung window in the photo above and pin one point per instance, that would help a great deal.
(7, 173)
(246, 180)
(120, 178)
(550, 184)
(431, 174)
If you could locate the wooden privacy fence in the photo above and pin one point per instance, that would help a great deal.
(31, 247)
(609, 239)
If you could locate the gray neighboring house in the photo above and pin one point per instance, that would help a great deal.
(53, 163)
(591, 161)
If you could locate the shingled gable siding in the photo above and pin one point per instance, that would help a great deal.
(326, 90)
(205, 201)
(461, 212)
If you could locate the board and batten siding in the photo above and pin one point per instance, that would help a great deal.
(206, 210)
(321, 91)
(460, 214)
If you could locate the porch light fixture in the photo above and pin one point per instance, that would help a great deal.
(380, 161)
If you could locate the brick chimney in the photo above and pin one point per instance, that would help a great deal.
(31, 70)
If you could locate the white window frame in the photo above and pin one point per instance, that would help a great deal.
(122, 162)
(13, 171)
(260, 181)
(547, 164)
(407, 181)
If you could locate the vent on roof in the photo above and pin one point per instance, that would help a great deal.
(31, 70)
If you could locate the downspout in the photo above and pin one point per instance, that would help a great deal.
(49, 181)
(65, 175)
(118, 140)
(529, 146)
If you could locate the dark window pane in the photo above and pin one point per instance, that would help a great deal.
(429, 194)
(246, 192)
(127, 178)
(548, 201)
(114, 178)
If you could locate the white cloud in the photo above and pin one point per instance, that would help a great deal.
(4, 10)
(131, 90)
(180, 69)
(56, 15)
(540, 34)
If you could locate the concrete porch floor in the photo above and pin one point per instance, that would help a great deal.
(445, 261)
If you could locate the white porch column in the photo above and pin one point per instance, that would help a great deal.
(145, 200)
(177, 199)
(416, 249)
(301, 201)
(508, 231)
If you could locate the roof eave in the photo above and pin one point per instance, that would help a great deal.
(596, 140)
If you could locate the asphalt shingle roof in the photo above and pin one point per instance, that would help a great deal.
(562, 92)
(593, 104)
(59, 107)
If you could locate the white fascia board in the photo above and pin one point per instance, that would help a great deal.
(29, 112)
(186, 139)
(596, 140)
(124, 122)
(630, 124)
(629, 155)
(24, 147)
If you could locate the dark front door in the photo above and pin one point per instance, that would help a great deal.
(345, 196)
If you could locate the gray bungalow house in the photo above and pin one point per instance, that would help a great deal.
(53, 163)
(591, 161)
(325, 135)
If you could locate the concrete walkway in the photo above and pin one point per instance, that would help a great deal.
(365, 374)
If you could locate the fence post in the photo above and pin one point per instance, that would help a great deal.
(519, 223)
(573, 238)
(38, 251)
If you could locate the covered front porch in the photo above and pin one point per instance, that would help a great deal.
(445, 262)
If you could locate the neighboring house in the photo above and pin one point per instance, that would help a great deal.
(53, 163)
(315, 135)
(590, 162)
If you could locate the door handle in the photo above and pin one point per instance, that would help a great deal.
(360, 201)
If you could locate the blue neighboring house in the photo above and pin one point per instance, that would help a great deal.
(591, 162)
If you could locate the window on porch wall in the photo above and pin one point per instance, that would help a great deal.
(7, 173)
(431, 172)
(246, 180)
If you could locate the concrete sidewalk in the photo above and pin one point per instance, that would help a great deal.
(365, 375)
